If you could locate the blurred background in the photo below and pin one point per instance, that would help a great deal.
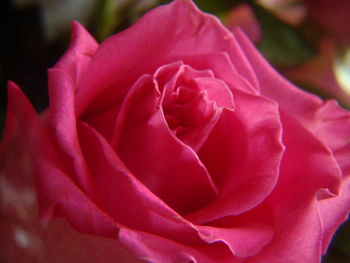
(308, 41)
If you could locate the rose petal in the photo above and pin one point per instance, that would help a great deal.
(63, 124)
(327, 121)
(298, 233)
(161, 250)
(217, 91)
(273, 85)
(27, 239)
(196, 103)
(149, 44)
(244, 240)
(334, 211)
(332, 126)
(78, 56)
(156, 157)
(103, 121)
(124, 197)
(65, 244)
(201, 113)
(54, 187)
(11, 124)
(115, 184)
(307, 168)
(63, 79)
(221, 65)
(245, 165)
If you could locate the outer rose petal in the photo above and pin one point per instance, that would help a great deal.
(63, 79)
(326, 120)
(148, 44)
(54, 187)
(307, 168)
(297, 237)
(242, 240)
(334, 211)
(64, 244)
(115, 184)
(27, 239)
(157, 249)
(24, 237)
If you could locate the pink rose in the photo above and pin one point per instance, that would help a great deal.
(177, 140)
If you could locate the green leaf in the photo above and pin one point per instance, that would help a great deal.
(106, 18)
(217, 7)
(213, 7)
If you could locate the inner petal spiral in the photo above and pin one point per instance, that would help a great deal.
(192, 101)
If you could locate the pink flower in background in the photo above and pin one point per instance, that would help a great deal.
(320, 74)
(290, 11)
(243, 17)
(176, 140)
(332, 17)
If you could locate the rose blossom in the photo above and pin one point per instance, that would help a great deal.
(175, 139)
